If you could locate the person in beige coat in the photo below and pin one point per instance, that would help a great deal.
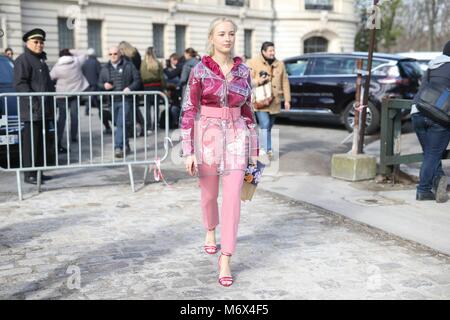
(266, 67)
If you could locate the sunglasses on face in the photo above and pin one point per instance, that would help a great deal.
(113, 54)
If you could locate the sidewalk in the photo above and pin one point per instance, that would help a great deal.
(391, 208)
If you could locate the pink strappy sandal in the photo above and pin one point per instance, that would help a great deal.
(210, 249)
(227, 280)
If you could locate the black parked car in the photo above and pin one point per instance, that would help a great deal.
(323, 85)
(6, 86)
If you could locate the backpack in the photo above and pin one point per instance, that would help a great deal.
(433, 101)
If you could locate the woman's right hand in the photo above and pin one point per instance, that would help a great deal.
(191, 165)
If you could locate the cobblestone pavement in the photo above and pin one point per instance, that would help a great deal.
(106, 242)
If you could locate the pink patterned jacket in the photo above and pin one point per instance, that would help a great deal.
(208, 87)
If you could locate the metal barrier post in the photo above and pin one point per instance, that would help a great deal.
(386, 137)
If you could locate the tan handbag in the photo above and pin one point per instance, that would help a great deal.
(263, 96)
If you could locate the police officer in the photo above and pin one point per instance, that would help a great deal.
(31, 74)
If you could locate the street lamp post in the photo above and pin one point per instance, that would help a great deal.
(363, 110)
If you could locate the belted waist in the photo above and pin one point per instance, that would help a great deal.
(223, 113)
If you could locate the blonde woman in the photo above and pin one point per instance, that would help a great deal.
(152, 74)
(130, 53)
(219, 136)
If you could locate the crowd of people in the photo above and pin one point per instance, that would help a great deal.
(79, 71)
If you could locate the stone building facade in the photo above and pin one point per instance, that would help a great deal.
(296, 26)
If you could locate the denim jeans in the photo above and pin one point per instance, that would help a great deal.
(266, 121)
(73, 110)
(434, 140)
(121, 118)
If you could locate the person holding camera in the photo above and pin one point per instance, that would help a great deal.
(266, 70)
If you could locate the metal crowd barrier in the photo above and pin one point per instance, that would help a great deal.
(391, 125)
(92, 148)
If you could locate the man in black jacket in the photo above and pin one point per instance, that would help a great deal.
(31, 74)
(433, 137)
(120, 75)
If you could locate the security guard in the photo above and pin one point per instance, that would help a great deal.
(31, 74)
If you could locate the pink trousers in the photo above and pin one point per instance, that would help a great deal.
(231, 203)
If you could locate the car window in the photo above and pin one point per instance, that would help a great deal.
(375, 63)
(334, 65)
(296, 67)
(6, 72)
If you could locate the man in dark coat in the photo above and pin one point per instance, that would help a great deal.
(119, 74)
(91, 70)
(31, 74)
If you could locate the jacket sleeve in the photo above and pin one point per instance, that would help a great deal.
(102, 78)
(98, 69)
(249, 117)
(136, 84)
(21, 76)
(162, 77)
(185, 74)
(286, 87)
(54, 73)
(189, 110)
(79, 55)
(174, 73)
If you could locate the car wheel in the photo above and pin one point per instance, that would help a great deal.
(372, 118)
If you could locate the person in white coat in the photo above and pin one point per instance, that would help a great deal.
(69, 78)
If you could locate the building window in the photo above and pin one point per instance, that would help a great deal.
(315, 44)
(95, 36)
(319, 4)
(180, 39)
(235, 3)
(158, 39)
(65, 35)
(248, 40)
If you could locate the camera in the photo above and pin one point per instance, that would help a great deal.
(263, 74)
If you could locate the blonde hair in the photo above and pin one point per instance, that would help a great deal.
(127, 49)
(150, 59)
(210, 47)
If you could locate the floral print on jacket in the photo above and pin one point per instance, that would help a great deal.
(226, 142)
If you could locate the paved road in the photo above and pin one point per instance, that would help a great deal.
(108, 243)
(89, 237)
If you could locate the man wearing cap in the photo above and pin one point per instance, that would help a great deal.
(31, 74)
